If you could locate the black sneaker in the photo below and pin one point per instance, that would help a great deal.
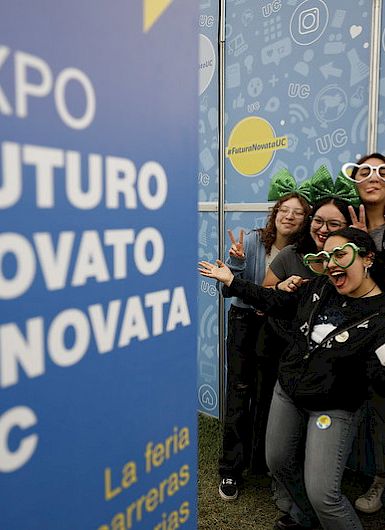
(228, 489)
(287, 523)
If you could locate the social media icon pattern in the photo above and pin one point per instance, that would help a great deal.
(307, 74)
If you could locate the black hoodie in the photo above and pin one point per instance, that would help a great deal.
(337, 372)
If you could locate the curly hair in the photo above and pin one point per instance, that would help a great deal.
(269, 233)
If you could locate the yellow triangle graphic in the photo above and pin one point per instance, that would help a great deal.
(152, 10)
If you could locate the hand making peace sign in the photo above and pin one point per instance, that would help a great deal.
(359, 222)
(236, 250)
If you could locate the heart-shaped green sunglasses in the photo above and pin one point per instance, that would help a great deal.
(342, 256)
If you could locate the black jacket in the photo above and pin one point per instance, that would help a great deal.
(337, 373)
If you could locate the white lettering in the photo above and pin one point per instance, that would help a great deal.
(149, 236)
(84, 200)
(104, 327)
(10, 191)
(119, 239)
(148, 171)
(23, 61)
(119, 182)
(17, 350)
(178, 313)
(46, 160)
(25, 265)
(156, 301)
(134, 322)
(90, 262)
(5, 107)
(54, 266)
(22, 418)
(69, 334)
(121, 176)
(60, 353)
(73, 74)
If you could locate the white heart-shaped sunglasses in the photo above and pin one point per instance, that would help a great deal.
(360, 173)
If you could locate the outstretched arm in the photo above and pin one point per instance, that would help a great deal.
(289, 285)
(275, 303)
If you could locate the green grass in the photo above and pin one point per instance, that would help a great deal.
(254, 509)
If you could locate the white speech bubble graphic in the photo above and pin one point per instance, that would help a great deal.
(206, 62)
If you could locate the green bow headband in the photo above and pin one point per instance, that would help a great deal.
(283, 183)
(322, 187)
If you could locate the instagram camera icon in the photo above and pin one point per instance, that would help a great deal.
(308, 21)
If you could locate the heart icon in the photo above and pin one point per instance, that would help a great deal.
(355, 31)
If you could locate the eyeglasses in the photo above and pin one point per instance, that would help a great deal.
(284, 210)
(343, 257)
(331, 224)
(363, 172)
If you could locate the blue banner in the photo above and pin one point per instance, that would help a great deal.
(98, 159)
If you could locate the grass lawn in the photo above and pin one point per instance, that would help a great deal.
(254, 509)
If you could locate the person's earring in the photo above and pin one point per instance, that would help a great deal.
(366, 269)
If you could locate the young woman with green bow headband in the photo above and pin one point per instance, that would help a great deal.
(336, 352)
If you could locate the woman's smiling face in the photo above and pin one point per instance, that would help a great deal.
(326, 219)
(352, 280)
(290, 217)
(372, 190)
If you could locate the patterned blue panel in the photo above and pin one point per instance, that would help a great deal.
(302, 68)
(207, 357)
(243, 220)
(207, 382)
(208, 101)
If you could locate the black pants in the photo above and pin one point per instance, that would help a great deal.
(270, 345)
(241, 391)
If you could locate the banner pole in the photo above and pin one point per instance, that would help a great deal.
(221, 199)
(374, 81)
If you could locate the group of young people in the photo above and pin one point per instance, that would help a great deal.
(306, 344)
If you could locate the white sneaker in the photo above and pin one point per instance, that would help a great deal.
(371, 502)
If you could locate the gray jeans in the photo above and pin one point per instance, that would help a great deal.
(309, 461)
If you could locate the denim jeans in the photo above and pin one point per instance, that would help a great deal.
(309, 462)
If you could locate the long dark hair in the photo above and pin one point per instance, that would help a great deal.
(367, 248)
(269, 233)
(306, 243)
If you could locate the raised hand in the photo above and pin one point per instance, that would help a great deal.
(236, 249)
(219, 272)
(359, 222)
